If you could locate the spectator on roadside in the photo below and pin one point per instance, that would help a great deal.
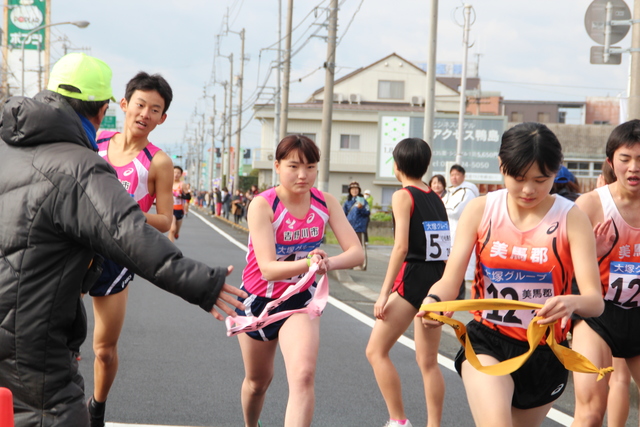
(565, 185)
(237, 206)
(439, 185)
(357, 211)
(369, 198)
(217, 196)
(458, 195)
(226, 203)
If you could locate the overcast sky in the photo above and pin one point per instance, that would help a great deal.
(533, 50)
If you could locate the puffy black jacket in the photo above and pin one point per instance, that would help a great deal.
(60, 203)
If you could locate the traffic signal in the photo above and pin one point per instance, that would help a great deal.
(247, 153)
(217, 152)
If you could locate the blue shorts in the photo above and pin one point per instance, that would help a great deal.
(255, 305)
(114, 279)
(178, 213)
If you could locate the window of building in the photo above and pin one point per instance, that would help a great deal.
(584, 168)
(517, 117)
(601, 122)
(349, 142)
(543, 117)
(562, 116)
(389, 89)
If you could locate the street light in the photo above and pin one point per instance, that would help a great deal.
(79, 24)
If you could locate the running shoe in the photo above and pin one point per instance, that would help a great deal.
(395, 424)
(96, 415)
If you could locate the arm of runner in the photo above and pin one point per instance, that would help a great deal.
(352, 254)
(466, 237)
(259, 218)
(161, 181)
(401, 206)
(583, 254)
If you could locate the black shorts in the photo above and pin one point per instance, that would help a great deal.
(254, 305)
(415, 279)
(540, 380)
(616, 327)
(114, 279)
(178, 213)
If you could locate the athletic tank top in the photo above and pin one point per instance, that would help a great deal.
(620, 266)
(530, 266)
(429, 238)
(294, 237)
(134, 176)
(178, 201)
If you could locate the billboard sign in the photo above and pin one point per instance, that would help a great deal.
(24, 17)
(480, 144)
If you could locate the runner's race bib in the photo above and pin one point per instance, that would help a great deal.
(438, 240)
(624, 284)
(516, 285)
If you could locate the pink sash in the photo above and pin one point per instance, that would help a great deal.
(239, 324)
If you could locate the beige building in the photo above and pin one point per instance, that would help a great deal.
(391, 86)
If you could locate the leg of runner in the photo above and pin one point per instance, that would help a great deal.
(530, 417)
(109, 312)
(398, 316)
(591, 395)
(427, 341)
(618, 396)
(488, 409)
(299, 340)
(258, 357)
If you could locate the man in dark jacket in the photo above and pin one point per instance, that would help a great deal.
(57, 199)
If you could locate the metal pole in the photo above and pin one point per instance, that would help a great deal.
(224, 179)
(212, 156)
(463, 85)
(276, 119)
(284, 106)
(327, 99)
(236, 175)
(607, 32)
(430, 98)
(634, 93)
(230, 118)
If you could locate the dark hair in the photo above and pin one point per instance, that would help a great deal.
(458, 168)
(145, 82)
(608, 174)
(440, 178)
(627, 134)
(178, 167)
(306, 148)
(529, 143)
(412, 157)
(88, 109)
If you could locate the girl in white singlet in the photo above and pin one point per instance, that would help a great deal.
(286, 227)
(528, 244)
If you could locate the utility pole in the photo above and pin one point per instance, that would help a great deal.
(212, 156)
(634, 84)
(430, 98)
(236, 175)
(224, 178)
(276, 118)
(284, 106)
(327, 101)
(230, 117)
(463, 84)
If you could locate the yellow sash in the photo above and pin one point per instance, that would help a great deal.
(571, 360)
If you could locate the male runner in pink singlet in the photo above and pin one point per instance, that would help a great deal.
(146, 173)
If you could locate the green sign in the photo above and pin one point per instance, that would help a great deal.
(24, 18)
(109, 122)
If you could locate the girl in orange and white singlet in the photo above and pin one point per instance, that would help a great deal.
(614, 211)
(528, 244)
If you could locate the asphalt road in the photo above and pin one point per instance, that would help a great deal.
(178, 367)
